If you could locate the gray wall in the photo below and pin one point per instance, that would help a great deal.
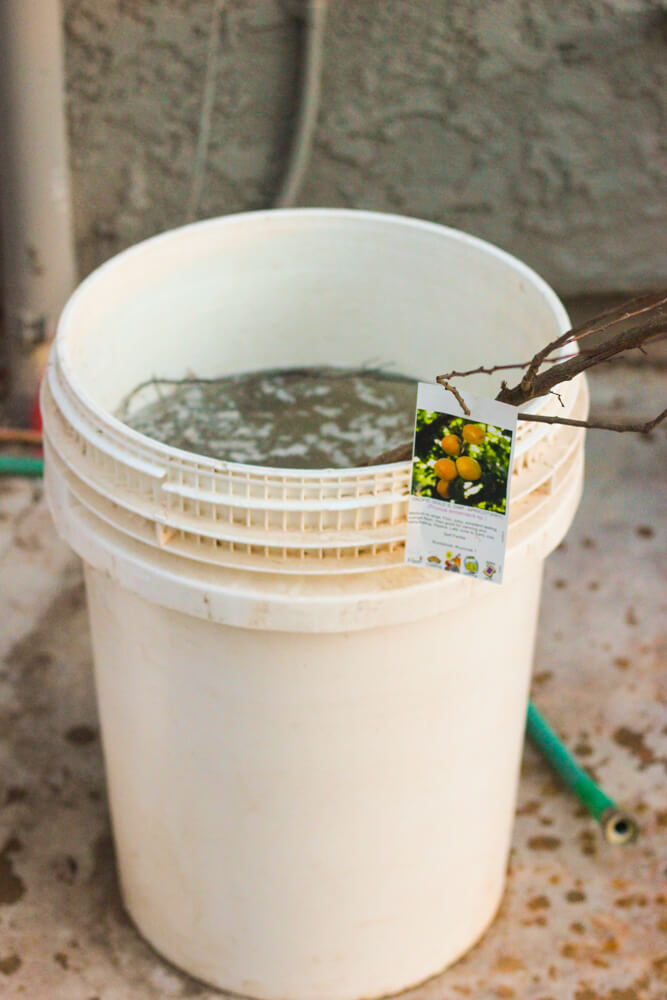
(533, 123)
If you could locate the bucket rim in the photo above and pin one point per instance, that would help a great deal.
(58, 357)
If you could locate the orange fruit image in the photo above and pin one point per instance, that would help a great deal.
(468, 468)
(451, 444)
(444, 468)
(473, 433)
(443, 489)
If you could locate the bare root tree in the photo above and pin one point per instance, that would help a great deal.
(627, 327)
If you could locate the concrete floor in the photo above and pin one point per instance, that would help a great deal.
(580, 920)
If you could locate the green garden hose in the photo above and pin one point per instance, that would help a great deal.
(19, 465)
(617, 826)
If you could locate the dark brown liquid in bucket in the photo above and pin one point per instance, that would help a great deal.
(306, 418)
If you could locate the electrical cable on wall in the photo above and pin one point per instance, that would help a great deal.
(306, 118)
(309, 105)
(208, 97)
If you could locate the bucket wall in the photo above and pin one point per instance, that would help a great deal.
(313, 816)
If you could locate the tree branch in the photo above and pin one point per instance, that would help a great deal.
(540, 384)
(596, 424)
(455, 392)
(621, 314)
(652, 308)
(481, 370)
(655, 304)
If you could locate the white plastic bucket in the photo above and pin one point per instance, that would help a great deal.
(312, 749)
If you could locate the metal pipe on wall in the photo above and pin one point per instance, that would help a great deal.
(38, 262)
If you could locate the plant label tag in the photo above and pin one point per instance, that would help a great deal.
(459, 493)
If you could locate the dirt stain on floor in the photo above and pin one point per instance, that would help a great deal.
(539, 903)
(12, 887)
(10, 964)
(15, 794)
(634, 742)
(544, 843)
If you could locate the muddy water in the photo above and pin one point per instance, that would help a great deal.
(287, 418)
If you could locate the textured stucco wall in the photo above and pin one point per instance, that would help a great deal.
(533, 123)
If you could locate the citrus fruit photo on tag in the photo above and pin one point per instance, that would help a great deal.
(462, 461)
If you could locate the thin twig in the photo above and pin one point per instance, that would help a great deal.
(596, 424)
(455, 393)
(620, 314)
(403, 452)
(653, 338)
(481, 371)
